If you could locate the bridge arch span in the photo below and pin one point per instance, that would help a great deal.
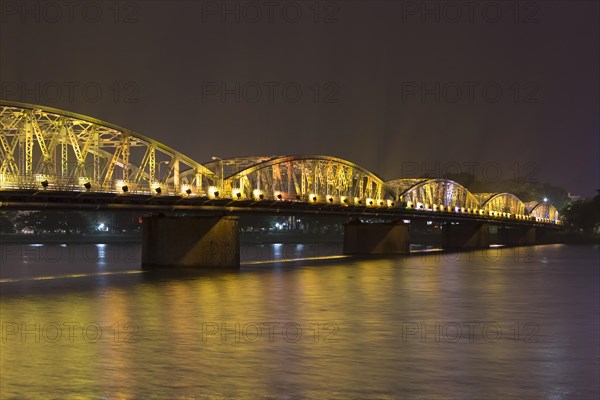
(427, 193)
(544, 212)
(61, 150)
(506, 203)
(312, 178)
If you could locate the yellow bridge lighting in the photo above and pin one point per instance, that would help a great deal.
(156, 187)
(46, 148)
(185, 189)
(258, 194)
(213, 192)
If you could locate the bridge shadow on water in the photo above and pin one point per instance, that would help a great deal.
(39, 267)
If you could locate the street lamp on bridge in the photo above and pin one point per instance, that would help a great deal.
(166, 162)
(221, 176)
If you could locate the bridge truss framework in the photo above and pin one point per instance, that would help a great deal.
(54, 150)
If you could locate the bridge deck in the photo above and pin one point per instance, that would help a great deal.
(41, 200)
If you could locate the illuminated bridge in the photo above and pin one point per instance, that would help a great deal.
(56, 159)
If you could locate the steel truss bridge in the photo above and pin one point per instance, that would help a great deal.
(53, 158)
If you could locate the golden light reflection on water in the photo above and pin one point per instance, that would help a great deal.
(170, 343)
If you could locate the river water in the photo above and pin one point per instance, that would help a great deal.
(83, 322)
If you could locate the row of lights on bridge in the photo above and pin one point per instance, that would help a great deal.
(313, 198)
(475, 211)
(258, 194)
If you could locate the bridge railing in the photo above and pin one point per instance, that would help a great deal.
(51, 183)
(120, 187)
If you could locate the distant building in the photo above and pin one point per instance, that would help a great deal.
(572, 197)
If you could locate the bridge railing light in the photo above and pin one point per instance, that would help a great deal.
(42, 180)
(236, 194)
(213, 192)
(344, 200)
(85, 183)
(186, 189)
(258, 194)
(156, 188)
(313, 198)
(123, 186)
(278, 195)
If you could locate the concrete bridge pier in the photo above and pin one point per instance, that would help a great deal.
(466, 235)
(518, 236)
(191, 242)
(377, 238)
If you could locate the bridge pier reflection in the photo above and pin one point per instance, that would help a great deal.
(376, 238)
(473, 235)
(518, 236)
(191, 241)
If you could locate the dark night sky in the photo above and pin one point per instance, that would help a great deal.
(163, 55)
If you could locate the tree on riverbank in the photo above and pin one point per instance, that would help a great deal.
(6, 225)
(54, 222)
(583, 215)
